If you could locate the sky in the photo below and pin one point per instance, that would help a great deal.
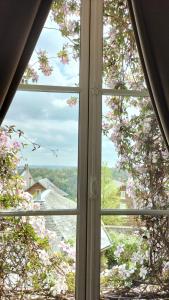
(46, 118)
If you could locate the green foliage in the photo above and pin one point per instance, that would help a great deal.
(26, 253)
(110, 194)
(131, 245)
(64, 178)
(70, 280)
(127, 262)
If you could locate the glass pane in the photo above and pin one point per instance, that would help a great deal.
(135, 161)
(135, 265)
(38, 257)
(55, 60)
(47, 146)
(121, 63)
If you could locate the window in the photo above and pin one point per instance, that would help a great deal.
(86, 110)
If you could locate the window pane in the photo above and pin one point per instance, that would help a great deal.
(135, 161)
(121, 63)
(135, 265)
(55, 60)
(38, 257)
(48, 159)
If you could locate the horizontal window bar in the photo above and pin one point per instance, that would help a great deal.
(131, 93)
(134, 212)
(50, 212)
(69, 89)
(48, 88)
(104, 212)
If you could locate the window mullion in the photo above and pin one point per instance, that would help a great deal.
(94, 150)
(83, 154)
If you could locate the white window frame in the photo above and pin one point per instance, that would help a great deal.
(88, 210)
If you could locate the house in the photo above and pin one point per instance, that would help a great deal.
(125, 200)
(28, 179)
(44, 184)
(51, 197)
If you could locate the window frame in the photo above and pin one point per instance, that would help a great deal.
(88, 209)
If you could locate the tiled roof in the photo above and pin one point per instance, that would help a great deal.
(55, 198)
(47, 184)
(65, 226)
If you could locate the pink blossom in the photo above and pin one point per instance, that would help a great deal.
(16, 145)
(64, 59)
(65, 9)
(44, 63)
(63, 56)
(166, 266)
(46, 69)
(115, 135)
(105, 126)
(68, 249)
(112, 33)
(3, 138)
(72, 101)
(130, 188)
(35, 76)
(38, 225)
(165, 154)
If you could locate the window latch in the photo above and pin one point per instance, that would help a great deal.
(93, 189)
(95, 91)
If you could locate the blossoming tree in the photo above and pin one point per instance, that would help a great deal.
(28, 265)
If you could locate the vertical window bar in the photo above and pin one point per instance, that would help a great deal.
(83, 153)
(94, 161)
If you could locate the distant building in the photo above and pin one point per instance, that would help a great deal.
(50, 197)
(125, 200)
(44, 184)
(27, 177)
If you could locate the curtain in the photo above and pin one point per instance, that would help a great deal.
(21, 22)
(150, 20)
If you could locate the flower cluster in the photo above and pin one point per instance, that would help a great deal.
(30, 73)
(44, 63)
(128, 264)
(72, 101)
(26, 252)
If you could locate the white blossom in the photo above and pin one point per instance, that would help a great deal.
(143, 272)
(119, 250)
(60, 286)
(44, 257)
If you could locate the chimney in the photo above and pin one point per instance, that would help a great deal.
(27, 177)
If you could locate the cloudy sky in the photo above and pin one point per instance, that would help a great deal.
(46, 118)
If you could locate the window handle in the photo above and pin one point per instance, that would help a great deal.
(95, 91)
(93, 189)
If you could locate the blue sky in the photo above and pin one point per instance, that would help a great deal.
(46, 118)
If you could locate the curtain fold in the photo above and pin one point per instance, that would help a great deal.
(21, 22)
(150, 20)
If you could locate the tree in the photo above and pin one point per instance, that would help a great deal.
(110, 194)
(27, 263)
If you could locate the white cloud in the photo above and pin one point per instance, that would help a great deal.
(60, 103)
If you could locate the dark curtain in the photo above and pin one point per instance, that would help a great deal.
(150, 19)
(21, 22)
